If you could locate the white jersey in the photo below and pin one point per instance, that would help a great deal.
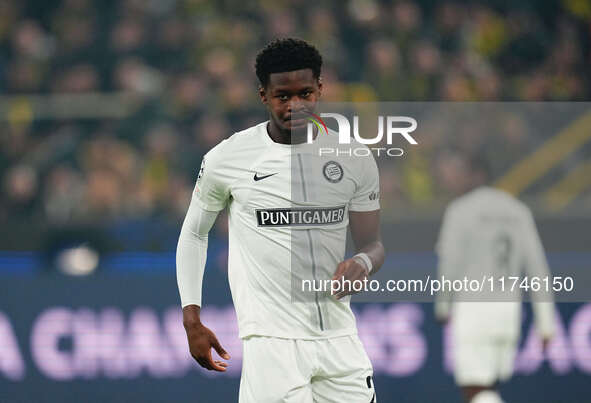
(487, 232)
(288, 215)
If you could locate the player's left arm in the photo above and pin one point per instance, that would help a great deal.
(365, 231)
(449, 249)
(364, 223)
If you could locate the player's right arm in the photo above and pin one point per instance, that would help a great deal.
(208, 199)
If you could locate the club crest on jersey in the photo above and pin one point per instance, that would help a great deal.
(333, 171)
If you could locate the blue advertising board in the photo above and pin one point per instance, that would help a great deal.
(119, 338)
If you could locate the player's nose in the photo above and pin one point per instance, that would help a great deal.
(296, 105)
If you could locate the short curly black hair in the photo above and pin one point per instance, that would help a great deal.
(287, 54)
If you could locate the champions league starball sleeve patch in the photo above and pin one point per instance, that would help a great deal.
(201, 169)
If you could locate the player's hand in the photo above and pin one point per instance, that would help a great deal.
(351, 269)
(201, 341)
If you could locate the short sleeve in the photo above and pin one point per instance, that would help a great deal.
(367, 193)
(212, 188)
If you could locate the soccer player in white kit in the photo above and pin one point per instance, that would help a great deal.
(487, 232)
(288, 210)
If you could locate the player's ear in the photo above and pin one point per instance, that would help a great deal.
(263, 94)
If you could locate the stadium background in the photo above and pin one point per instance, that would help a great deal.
(107, 107)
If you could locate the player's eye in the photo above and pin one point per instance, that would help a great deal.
(283, 98)
(306, 94)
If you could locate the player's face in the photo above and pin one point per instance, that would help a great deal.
(290, 97)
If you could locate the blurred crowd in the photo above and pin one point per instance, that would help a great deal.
(188, 64)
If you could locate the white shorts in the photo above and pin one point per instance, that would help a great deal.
(483, 363)
(306, 371)
(485, 342)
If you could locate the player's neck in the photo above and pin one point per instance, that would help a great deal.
(282, 136)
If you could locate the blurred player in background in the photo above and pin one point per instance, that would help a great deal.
(287, 215)
(487, 232)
